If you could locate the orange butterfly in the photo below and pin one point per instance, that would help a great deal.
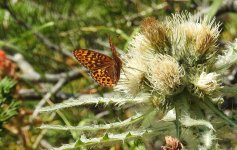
(104, 69)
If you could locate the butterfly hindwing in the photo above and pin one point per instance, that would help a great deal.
(105, 76)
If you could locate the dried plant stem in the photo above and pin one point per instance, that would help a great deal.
(46, 98)
(42, 133)
(146, 12)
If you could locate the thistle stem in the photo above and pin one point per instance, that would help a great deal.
(178, 111)
(219, 113)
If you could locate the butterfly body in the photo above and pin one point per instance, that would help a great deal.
(103, 69)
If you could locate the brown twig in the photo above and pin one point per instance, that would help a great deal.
(39, 139)
(29, 74)
(26, 94)
(46, 98)
(148, 11)
(53, 78)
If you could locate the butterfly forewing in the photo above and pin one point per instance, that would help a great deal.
(104, 70)
(92, 60)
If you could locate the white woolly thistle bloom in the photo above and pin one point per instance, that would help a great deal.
(164, 74)
(133, 75)
(193, 38)
(131, 79)
(208, 83)
(140, 44)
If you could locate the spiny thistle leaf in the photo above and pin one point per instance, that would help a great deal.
(227, 59)
(117, 100)
(110, 138)
(188, 122)
(126, 122)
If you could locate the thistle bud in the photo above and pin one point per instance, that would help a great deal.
(208, 83)
(156, 33)
(172, 144)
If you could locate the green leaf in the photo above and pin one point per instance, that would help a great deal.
(8, 107)
(105, 137)
(128, 135)
(32, 31)
(214, 8)
(78, 143)
(149, 119)
(5, 85)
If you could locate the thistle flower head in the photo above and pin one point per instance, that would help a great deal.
(135, 65)
(140, 44)
(165, 57)
(132, 77)
(208, 83)
(164, 74)
(193, 38)
(156, 33)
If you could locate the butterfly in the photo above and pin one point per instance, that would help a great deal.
(103, 69)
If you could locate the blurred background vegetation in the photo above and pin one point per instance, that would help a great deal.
(36, 41)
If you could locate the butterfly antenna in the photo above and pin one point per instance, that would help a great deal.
(136, 69)
(130, 68)
(112, 47)
(125, 73)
